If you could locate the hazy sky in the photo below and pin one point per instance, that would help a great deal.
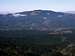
(23, 5)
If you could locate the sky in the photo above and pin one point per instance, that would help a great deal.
(27, 5)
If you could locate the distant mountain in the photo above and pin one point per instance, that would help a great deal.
(4, 12)
(43, 20)
(72, 12)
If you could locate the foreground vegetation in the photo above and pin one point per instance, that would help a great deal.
(36, 50)
(30, 43)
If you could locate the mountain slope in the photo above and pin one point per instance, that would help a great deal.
(42, 20)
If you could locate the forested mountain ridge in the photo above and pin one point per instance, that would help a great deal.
(43, 20)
